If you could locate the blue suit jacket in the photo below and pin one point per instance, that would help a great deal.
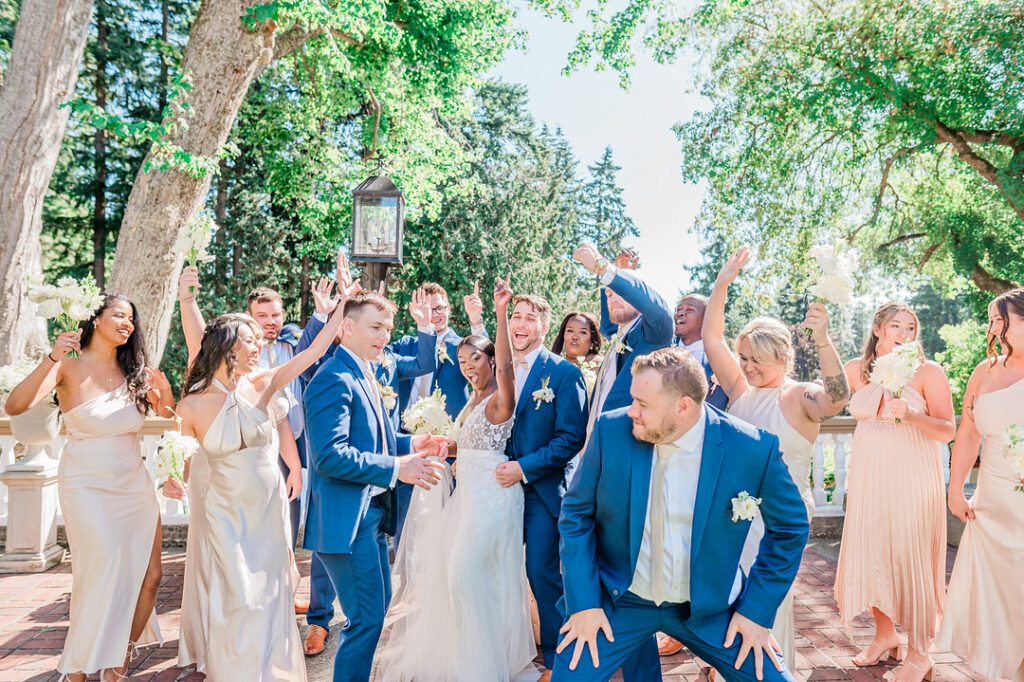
(394, 369)
(655, 329)
(605, 509)
(447, 375)
(546, 436)
(346, 442)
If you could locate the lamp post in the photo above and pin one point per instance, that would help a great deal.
(378, 217)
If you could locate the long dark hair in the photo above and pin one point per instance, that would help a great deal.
(1005, 303)
(595, 334)
(131, 355)
(218, 346)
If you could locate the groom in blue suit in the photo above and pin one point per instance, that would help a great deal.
(550, 421)
(654, 523)
(356, 459)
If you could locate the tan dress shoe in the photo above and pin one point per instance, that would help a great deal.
(314, 643)
(668, 646)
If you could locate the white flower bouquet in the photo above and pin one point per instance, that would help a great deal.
(172, 451)
(893, 371)
(589, 369)
(835, 282)
(68, 302)
(194, 239)
(1013, 450)
(428, 416)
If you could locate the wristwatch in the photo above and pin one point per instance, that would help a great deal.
(600, 265)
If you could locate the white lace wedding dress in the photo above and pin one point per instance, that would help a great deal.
(461, 611)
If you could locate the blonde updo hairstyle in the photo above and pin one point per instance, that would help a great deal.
(882, 316)
(771, 342)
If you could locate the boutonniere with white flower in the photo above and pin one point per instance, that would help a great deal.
(544, 394)
(442, 355)
(744, 507)
(386, 362)
(1013, 450)
(618, 342)
(388, 396)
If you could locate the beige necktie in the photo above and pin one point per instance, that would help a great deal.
(663, 452)
(610, 358)
(378, 407)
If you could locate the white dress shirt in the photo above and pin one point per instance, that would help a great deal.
(364, 367)
(696, 349)
(523, 372)
(608, 378)
(680, 498)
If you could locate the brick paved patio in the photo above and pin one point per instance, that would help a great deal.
(34, 612)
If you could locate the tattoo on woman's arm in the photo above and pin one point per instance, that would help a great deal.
(837, 387)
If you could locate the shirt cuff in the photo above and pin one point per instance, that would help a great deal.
(320, 316)
(394, 475)
(609, 275)
(479, 331)
(525, 480)
(427, 330)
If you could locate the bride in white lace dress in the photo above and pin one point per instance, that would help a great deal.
(461, 612)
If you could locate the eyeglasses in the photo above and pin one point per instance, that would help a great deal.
(439, 310)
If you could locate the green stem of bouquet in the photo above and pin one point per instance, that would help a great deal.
(897, 394)
(66, 324)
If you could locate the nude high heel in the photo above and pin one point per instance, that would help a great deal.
(884, 655)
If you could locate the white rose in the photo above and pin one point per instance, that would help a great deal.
(49, 308)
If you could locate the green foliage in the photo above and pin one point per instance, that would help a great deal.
(896, 125)
(965, 348)
(603, 219)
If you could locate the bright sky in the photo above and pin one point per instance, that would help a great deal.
(593, 112)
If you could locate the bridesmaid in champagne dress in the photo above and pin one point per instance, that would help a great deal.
(761, 393)
(108, 499)
(984, 622)
(243, 554)
(893, 554)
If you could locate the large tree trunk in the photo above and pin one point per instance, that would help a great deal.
(223, 58)
(47, 50)
(99, 203)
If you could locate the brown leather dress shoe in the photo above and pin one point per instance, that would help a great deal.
(314, 643)
(301, 606)
(545, 676)
(668, 646)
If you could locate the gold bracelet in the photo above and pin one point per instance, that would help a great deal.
(186, 300)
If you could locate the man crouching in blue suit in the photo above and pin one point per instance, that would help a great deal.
(653, 525)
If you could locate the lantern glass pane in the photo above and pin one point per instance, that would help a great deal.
(376, 232)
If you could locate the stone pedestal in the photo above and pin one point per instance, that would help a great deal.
(31, 518)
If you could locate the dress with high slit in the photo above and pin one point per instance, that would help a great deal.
(245, 561)
(111, 515)
(893, 552)
(984, 619)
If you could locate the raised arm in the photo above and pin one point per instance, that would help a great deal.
(284, 374)
(965, 448)
(160, 396)
(192, 323)
(723, 363)
(504, 402)
(827, 400)
(44, 378)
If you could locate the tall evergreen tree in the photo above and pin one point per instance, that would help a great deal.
(603, 218)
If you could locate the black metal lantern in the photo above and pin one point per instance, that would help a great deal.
(378, 216)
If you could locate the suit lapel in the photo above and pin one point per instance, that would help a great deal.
(445, 340)
(531, 381)
(710, 467)
(346, 355)
(639, 490)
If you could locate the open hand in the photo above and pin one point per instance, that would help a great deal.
(347, 287)
(419, 308)
(157, 381)
(754, 638)
(731, 270)
(474, 306)
(582, 628)
(323, 296)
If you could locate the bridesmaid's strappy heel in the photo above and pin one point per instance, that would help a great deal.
(929, 674)
(884, 655)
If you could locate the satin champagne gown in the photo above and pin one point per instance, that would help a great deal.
(244, 554)
(760, 407)
(893, 553)
(195, 607)
(111, 515)
(984, 618)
